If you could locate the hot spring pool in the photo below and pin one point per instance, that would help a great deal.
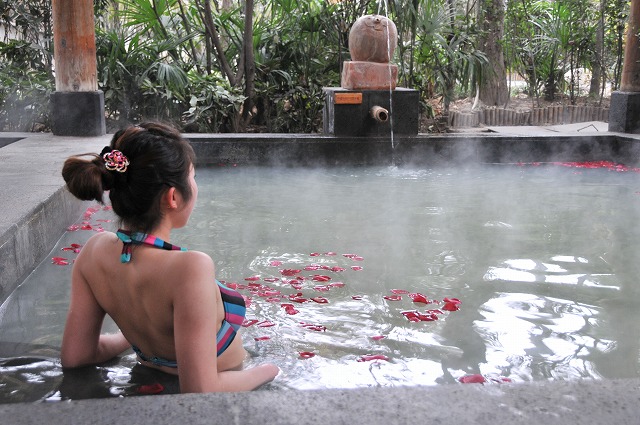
(537, 262)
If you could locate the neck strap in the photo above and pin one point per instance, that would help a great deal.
(138, 238)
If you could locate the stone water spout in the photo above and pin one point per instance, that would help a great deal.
(368, 103)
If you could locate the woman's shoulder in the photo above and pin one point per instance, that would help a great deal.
(100, 241)
(196, 259)
(101, 237)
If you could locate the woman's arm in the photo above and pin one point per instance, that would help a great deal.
(82, 343)
(195, 311)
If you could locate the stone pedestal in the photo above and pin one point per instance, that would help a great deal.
(624, 112)
(349, 112)
(360, 75)
(78, 113)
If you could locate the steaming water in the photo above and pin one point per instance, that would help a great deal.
(543, 260)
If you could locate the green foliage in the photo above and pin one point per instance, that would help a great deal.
(26, 80)
(547, 40)
(157, 59)
(213, 104)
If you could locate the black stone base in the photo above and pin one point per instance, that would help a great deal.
(78, 113)
(354, 119)
(624, 112)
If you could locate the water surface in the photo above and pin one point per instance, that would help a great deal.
(542, 259)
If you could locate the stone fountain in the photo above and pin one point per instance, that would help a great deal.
(368, 103)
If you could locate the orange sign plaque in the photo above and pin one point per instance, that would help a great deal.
(348, 99)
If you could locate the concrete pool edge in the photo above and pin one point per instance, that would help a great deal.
(36, 207)
(32, 165)
(584, 402)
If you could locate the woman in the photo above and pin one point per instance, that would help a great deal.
(164, 299)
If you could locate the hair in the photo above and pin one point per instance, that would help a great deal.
(159, 158)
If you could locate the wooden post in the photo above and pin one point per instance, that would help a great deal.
(78, 105)
(625, 104)
(630, 81)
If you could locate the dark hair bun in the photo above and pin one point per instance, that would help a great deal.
(86, 179)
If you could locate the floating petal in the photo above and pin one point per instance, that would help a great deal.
(418, 298)
(156, 388)
(472, 379)
(371, 357)
(320, 278)
(320, 300)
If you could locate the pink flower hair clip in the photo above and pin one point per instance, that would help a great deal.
(115, 160)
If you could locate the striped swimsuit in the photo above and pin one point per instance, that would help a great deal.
(232, 301)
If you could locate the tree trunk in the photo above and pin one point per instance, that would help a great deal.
(249, 64)
(596, 72)
(494, 90)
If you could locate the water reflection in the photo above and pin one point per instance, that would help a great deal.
(527, 270)
(541, 336)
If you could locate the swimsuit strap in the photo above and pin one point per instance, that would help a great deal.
(138, 238)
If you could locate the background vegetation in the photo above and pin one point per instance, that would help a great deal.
(260, 65)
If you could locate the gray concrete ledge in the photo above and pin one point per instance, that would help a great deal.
(577, 402)
(35, 208)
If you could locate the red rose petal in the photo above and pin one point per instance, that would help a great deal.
(150, 389)
(418, 298)
(271, 279)
(450, 307)
(312, 327)
(472, 379)
(415, 316)
(289, 272)
(306, 354)
(399, 291)
(392, 297)
(262, 338)
(289, 309)
(452, 300)
(60, 261)
(320, 278)
(371, 357)
(249, 322)
(378, 337)
(265, 324)
(321, 288)
(320, 300)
